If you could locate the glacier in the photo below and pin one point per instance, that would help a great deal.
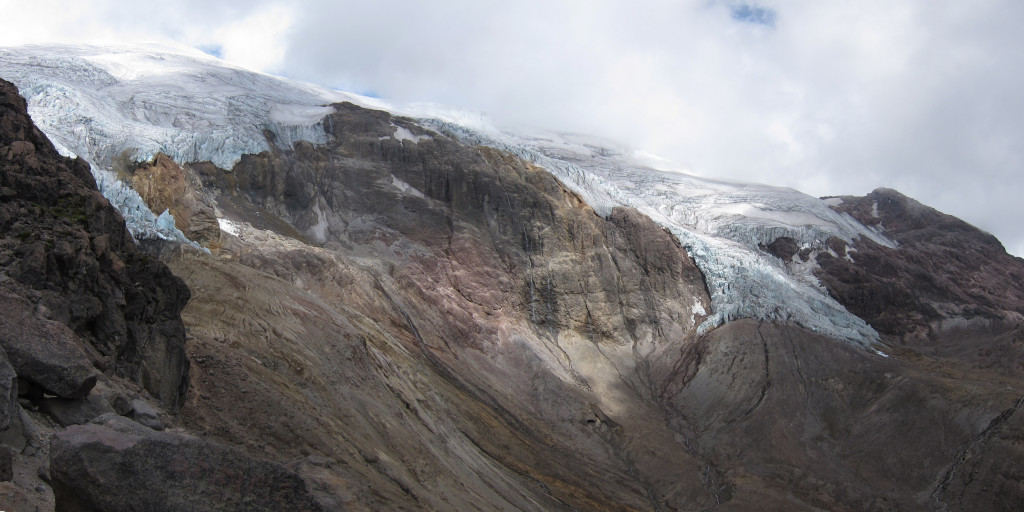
(111, 103)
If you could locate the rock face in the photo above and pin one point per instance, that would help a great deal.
(119, 465)
(164, 185)
(84, 284)
(950, 289)
(8, 392)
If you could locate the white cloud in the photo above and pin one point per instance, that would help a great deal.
(830, 97)
(257, 41)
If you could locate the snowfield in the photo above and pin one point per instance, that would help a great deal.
(105, 103)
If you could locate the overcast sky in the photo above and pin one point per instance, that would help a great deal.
(828, 97)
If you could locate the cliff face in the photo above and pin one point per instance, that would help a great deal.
(91, 338)
(66, 251)
(949, 290)
(471, 326)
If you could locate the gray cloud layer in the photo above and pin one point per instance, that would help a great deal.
(826, 97)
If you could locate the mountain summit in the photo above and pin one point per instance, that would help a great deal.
(394, 309)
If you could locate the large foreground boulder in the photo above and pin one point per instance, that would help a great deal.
(118, 465)
(43, 351)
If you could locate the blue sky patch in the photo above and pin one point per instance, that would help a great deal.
(214, 50)
(753, 14)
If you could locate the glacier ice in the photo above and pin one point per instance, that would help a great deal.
(100, 102)
(106, 102)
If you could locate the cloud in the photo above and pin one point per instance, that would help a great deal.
(826, 97)
(256, 41)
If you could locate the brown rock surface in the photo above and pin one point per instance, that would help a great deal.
(15, 499)
(949, 289)
(164, 185)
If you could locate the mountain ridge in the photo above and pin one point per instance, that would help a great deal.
(722, 224)
(412, 320)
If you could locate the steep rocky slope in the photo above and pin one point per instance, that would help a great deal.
(90, 328)
(494, 343)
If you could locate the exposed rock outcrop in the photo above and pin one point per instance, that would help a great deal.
(8, 392)
(950, 289)
(44, 352)
(164, 185)
(944, 269)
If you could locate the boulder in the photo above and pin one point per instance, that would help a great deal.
(116, 465)
(20, 433)
(68, 411)
(43, 351)
(145, 414)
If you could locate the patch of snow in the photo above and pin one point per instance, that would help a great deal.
(402, 133)
(406, 188)
(874, 209)
(879, 352)
(697, 310)
(319, 229)
(832, 201)
(228, 226)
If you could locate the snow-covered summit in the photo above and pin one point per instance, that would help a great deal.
(109, 102)
(100, 101)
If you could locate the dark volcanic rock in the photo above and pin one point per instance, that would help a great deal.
(68, 252)
(783, 248)
(945, 272)
(119, 465)
(75, 412)
(44, 352)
